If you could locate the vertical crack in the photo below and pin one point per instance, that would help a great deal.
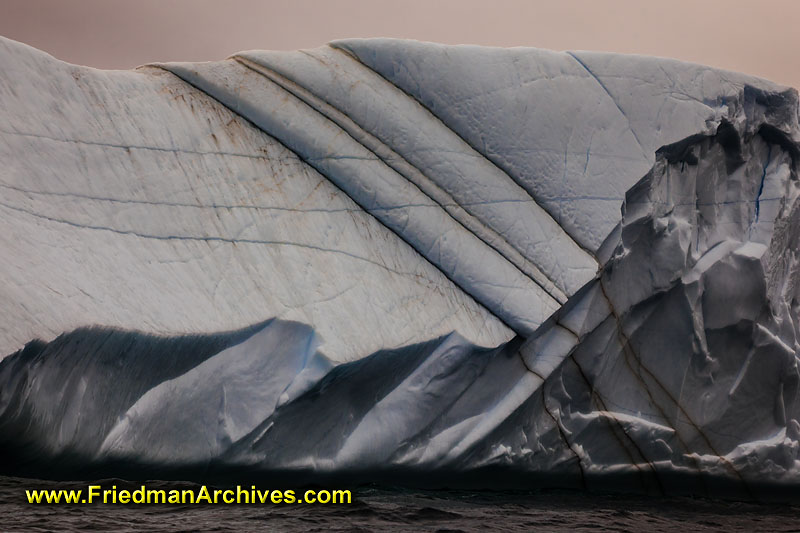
(596, 398)
(763, 178)
(603, 86)
(563, 435)
(630, 352)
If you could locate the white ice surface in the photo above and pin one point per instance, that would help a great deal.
(575, 129)
(472, 264)
(130, 199)
(468, 179)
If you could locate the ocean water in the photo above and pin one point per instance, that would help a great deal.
(384, 509)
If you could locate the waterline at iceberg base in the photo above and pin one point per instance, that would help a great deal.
(391, 261)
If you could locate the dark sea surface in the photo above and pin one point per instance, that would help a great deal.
(397, 510)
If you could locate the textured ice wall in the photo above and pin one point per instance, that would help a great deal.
(575, 129)
(132, 200)
(409, 163)
(470, 194)
(690, 365)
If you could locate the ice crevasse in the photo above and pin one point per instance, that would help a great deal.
(390, 257)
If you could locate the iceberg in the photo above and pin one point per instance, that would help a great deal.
(385, 259)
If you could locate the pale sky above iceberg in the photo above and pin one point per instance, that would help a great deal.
(759, 38)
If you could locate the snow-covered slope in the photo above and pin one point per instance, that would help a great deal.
(434, 257)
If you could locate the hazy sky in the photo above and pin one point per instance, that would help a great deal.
(760, 37)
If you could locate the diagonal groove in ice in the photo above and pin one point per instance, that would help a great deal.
(131, 146)
(522, 108)
(408, 171)
(396, 127)
(143, 152)
(616, 104)
(473, 265)
(483, 96)
(201, 238)
(543, 353)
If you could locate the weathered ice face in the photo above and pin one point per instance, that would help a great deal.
(390, 257)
